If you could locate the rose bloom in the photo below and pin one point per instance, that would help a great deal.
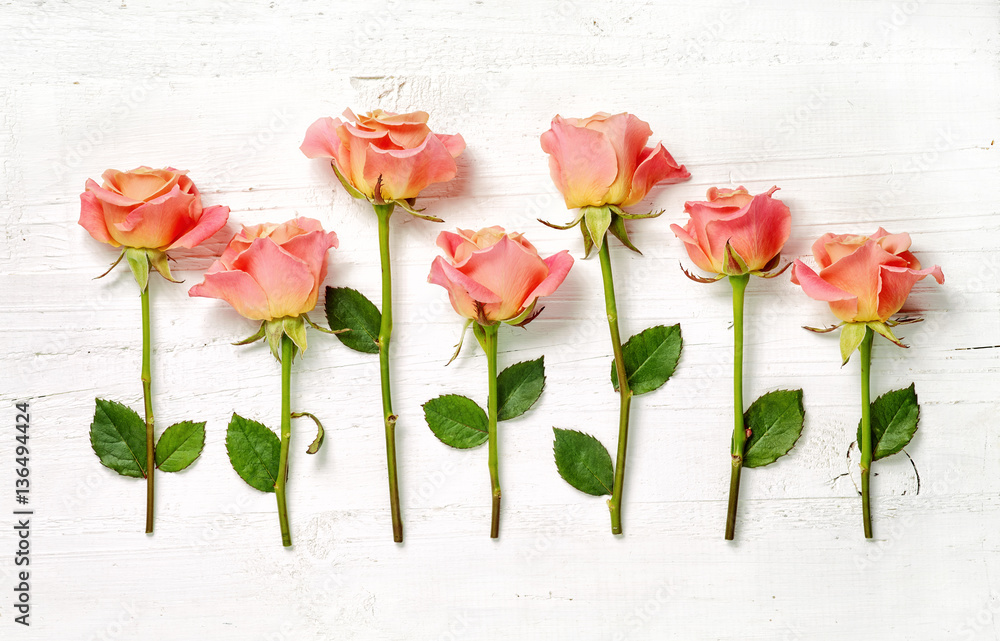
(604, 160)
(863, 278)
(271, 271)
(756, 227)
(148, 208)
(494, 276)
(400, 148)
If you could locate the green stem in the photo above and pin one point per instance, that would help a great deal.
(147, 397)
(385, 333)
(739, 284)
(287, 353)
(489, 340)
(866, 429)
(625, 392)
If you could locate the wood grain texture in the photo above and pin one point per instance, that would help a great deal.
(864, 113)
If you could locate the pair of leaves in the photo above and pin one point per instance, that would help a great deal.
(650, 358)
(348, 308)
(894, 417)
(255, 451)
(460, 422)
(118, 437)
(775, 422)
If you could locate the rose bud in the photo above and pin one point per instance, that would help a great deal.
(385, 157)
(493, 276)
(148, 212)
(272, 273)
(734, 233)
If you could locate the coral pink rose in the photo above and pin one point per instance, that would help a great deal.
(271, 271)
(494, 276)
(148, 208)
(604, 160)
(756, 228)
(399, 149)
(863, 278)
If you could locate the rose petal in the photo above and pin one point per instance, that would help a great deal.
(694, 250)
(285, 279)
(463, 292)
(895, 284)
(157, 223)
(92, 219)
(406, 172)
(321, 139)
(212, 220)
(858, 273)
(559, 266)
(311, 248)
(508, 269)
(238, 289)
(658, 167)
(757, 234)
(842, 303)
(582, 163)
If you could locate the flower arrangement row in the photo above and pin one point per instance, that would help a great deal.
(602, 165)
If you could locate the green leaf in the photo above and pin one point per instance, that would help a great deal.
(650, 358)
(179, 446)
(457, 421)
(851, 335)
(118, 436)
(894, 421)
(348, 309)
(254, 451)
(518, 387)
(775, 423)
(583, 462)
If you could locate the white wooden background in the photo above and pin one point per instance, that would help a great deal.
(864, 113)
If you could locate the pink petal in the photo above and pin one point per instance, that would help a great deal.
(406, 172)
(321, 139)
(627, 135)
(658, 167)
(159, 222)
(694, 250)
(582, 163)
(454, 143)
(858, 273)
(559, 266)
(109, 196)
(842, 303)
(236, 288)
(511, 271)
(212, 220)
(458, 247)
(895, 284)
(757, 234)
(285, 279)
(312, 248)
(92, 219)
(463, 292)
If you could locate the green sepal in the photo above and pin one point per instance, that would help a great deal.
(254, 451)
(894, 417)
(624, 214)
(138, 262)
(273, 331)
(851, 335)
(320, 328)
(597, 220)
(519, 387)
(180, 445)
(118, 437)
(588, 241)
(295, 329)
(732, 263)
(259, 334)
(650, 358)
(618, 230)
(461, 341)
(883, 329)
(347, 185)
(121, 255)
(349, 309)
(569, 225)
(457, 421)
(320, 432)
(774, 422)
(583, 462)
(410, 209)
(160, 263)
(526, 314)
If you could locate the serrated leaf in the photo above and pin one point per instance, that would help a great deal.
(348, 308)
(894, 418)
(118, 436)
(457, 421)
(254, 451)
(775, 423)
(650, 358)
(179, 446)
(518, 387)
(583, 462)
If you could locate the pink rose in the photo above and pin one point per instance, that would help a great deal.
(148, 208)
(756, 228)
(398, 149)
(494, 276)
(271, 271)
(604, 160)
(863, 278)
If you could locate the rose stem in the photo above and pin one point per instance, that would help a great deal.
(147, 397)
(490, 346)
(866, 429)
(615, 503)
(739, 284)
(385, 332)
(287, 353)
